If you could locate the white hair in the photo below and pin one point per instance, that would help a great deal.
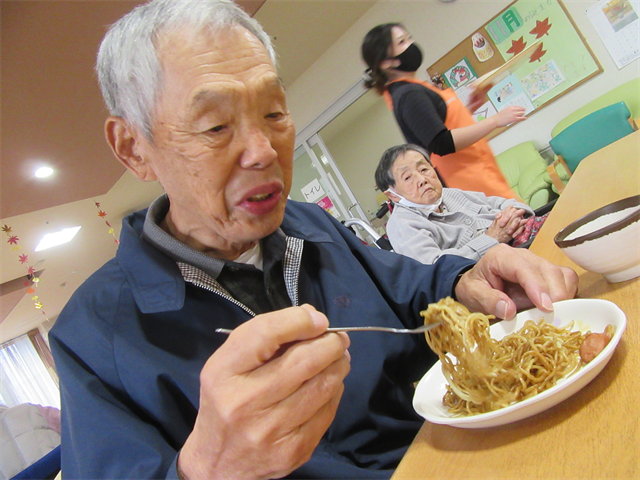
(128, 66)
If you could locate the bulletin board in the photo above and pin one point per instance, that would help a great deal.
(561, 61)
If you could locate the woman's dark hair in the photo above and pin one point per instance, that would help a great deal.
(384, 177)
(375, 50)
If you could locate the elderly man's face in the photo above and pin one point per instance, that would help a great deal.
(416, 180)
(223, 140)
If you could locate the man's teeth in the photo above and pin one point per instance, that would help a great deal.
(260, 197)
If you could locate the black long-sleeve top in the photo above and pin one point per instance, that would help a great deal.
(421, 114)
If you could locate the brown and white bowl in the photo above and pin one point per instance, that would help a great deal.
(606, 241)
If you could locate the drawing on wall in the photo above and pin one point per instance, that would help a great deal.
(509, 93)
(481, 47)
(460, 74)
(485, 111)
(619, 14)
(616, 21)
(552, 68)
(561, 59)
(543, 80)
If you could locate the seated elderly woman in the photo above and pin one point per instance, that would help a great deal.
(429, 221)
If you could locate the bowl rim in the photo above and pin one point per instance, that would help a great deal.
(628, 202)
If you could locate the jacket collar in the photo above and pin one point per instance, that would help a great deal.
(155, 278)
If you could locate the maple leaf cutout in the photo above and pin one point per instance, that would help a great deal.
(6, 228)
(542, 28)
(102, 214)
(538, 54)
(517, 46)
(97, 204)
(13, 240)
(31, 270)
(23, 258)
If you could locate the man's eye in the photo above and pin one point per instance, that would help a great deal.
(275, 115)
(217, 128)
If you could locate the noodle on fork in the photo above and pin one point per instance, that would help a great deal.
(484, 374)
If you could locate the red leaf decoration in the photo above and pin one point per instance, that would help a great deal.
(517, 46)
(538, 54)
(23, 258)
(13, 240)
(541, 28)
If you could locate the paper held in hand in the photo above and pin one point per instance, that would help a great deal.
(506, 69)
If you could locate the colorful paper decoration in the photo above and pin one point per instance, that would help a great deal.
(32, 280)
(103, 214)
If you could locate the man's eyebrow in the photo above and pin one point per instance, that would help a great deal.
(212, 96)
(206, 96)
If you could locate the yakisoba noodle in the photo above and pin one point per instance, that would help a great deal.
(487, 374)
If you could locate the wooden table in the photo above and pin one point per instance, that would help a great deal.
(595, 433)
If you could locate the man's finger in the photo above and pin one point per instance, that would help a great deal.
(300, 362)
(255, 342)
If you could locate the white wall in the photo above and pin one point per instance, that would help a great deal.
(357, 152)
(438, 27)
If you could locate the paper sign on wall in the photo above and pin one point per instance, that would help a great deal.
(313, 191)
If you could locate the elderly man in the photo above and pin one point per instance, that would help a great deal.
(429, 221)
(149, 389)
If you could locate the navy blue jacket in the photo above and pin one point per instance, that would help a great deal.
(131, 342)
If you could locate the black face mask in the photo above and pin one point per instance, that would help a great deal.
(410, 59)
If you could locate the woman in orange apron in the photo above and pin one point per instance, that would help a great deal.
(432, 118)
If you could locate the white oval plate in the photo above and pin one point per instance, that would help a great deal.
(588, 314)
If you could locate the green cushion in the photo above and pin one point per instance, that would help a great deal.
(629, 93)
(591, 133)
(526, 173)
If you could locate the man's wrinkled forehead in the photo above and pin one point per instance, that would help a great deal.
(214, 44)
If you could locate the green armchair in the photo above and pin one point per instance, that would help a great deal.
(526, 173)
(587, 135)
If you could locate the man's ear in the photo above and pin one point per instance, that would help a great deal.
(127, 142)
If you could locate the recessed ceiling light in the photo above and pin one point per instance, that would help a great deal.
(57, 238)
(44, 172)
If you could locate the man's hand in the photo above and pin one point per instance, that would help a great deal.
(267, 396)
(507, 224)
(508, 279)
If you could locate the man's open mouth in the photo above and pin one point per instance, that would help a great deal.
(260, 197)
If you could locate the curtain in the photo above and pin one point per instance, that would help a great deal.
(24, 378)
(42, 347)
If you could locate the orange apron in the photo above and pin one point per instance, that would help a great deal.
(473, 168)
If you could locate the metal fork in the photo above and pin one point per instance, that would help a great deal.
(421, 329)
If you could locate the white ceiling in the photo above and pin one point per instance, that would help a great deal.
(50, 108)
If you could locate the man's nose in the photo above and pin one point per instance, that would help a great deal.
(257, 151)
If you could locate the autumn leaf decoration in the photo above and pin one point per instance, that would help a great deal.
(31, 280)
(538, 54)
(541, 29)
(102, 214)
(517, 46)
